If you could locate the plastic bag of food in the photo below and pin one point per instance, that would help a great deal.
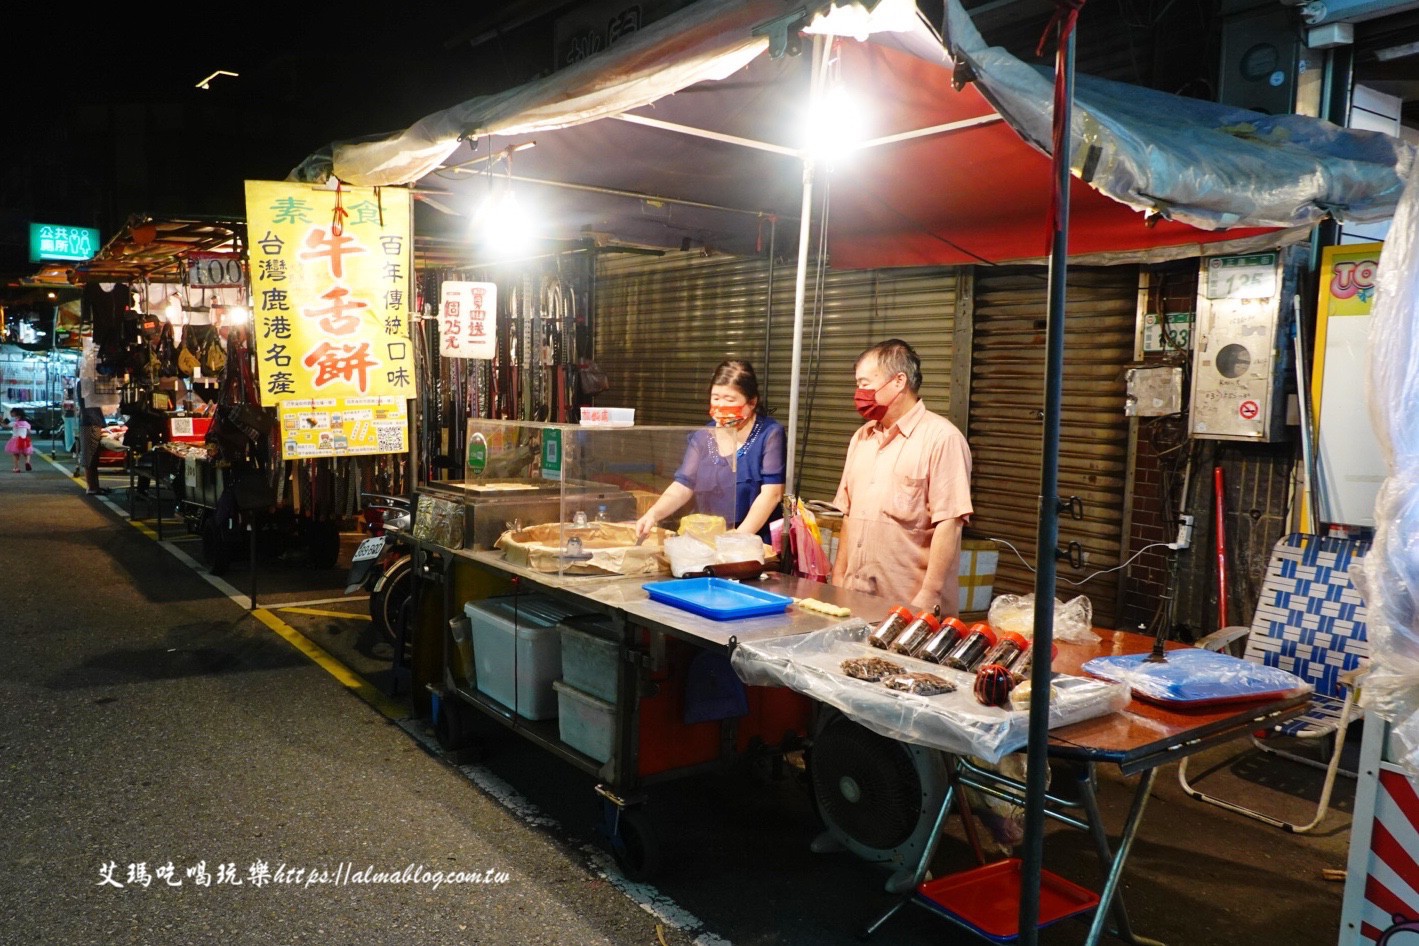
(701, 526)
(687, 554)
(1073, 620)
(737, 547)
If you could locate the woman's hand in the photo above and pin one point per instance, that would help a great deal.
(645, 523)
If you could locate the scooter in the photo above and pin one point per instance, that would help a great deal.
(380, 565)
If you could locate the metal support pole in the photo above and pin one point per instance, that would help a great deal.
(1037, 762)
(820, 65)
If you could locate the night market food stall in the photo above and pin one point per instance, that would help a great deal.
(169, 358)
(569, 134)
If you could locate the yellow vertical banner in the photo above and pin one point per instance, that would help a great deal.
(1349, 461)
(331, 283)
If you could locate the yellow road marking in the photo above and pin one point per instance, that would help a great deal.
(347, 677)
(326, 614)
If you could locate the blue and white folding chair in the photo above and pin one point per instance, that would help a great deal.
(1310, 621)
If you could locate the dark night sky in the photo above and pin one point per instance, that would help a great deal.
(103, 119)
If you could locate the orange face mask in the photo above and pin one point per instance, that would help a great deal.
(728, 416)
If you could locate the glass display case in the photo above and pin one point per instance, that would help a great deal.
(565, 499)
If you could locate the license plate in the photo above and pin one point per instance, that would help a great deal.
(369, 548)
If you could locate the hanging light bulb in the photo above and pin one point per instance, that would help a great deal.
(835, 125)
(503, 223)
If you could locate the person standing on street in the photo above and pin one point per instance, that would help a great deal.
(905, 491)
(20, 445)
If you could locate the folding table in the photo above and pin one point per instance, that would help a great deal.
(1138, 739)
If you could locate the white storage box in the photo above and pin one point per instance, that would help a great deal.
(589, 659)
(584, 722)
(533, 663)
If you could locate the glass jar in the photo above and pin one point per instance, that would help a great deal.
(1020, 669)
(893, 624)
(969, 650)
(915, 634)
(940, 644)
(1007, 650)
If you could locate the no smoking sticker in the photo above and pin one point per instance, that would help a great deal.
(1249, 409)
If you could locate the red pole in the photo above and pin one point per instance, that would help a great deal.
(1221, 504)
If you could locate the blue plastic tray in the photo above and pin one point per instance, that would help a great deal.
(1196, 678)
(717, 598)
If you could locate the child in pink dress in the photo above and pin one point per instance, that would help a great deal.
(20, 444)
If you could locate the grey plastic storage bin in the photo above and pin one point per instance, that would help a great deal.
(584, 722)
(589, 659)
(518, 675)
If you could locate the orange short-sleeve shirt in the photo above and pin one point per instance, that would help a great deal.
(897, 484)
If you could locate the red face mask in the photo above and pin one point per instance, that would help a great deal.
(865, 400)
(728, 416)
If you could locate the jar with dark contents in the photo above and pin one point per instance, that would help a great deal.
(915, 634)
(939, 644)
(1020, 669)
(1008, 649)
(892, 625)
(969, 650)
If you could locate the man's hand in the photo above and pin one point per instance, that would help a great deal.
(925, 602)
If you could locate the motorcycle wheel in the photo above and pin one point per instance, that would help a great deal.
(391, 591)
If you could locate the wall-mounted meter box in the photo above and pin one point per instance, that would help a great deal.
(1239, 359)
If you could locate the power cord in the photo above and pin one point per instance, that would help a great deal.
(1122, 565)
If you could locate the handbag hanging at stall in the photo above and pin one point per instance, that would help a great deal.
(187, 360)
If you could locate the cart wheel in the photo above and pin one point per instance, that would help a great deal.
(459, 731)
(391, 591)
(636, 845)
(452, 728)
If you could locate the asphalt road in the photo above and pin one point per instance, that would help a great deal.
(177, 772)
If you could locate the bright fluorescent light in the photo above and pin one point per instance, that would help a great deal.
(207, 82)
(1391, 53)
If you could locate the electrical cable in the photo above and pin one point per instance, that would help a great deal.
(1088, 578)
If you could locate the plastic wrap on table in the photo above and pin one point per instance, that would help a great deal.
(1073, 620)
(1389, 575)
(1197, 678)
(953, 722)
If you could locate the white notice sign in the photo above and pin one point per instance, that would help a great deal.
(468, 320)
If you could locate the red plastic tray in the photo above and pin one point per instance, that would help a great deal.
(987, 899)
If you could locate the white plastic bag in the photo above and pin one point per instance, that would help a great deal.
(1073, 620)
(687, 554)
(737, 547)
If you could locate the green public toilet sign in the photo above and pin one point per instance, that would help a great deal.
(52, 241)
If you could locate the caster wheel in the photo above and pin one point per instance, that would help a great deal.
(458, 731)
(636, 845)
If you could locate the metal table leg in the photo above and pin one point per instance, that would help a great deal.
(1116, 862)
(926, 855)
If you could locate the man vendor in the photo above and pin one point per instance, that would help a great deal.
(905, 491)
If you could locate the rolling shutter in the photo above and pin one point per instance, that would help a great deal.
(1005, 420)
(662, 325)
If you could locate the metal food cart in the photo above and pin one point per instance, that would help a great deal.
(494, 619)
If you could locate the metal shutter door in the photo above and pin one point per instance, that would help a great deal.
(662, 325)
(1007, 381)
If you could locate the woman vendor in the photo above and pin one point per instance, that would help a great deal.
(739, 457)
